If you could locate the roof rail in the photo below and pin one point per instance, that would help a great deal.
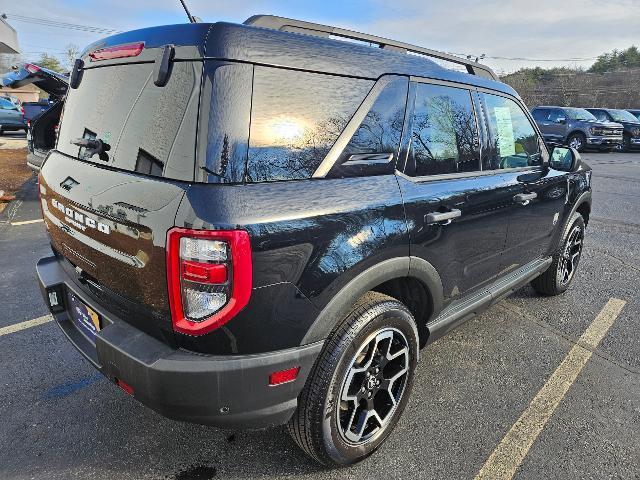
(309, 28)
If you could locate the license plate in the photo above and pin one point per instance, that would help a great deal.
(84, 316)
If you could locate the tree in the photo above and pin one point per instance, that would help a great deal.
(617, 60)
(50, 62)
(71, 52)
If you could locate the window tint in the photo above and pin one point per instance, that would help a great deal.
(225, 117)
(556, 114)
(381, 129)
(444, 137)
(295, 119)
(541, 114)
(515, 142)
(149, 129)
(600, 115)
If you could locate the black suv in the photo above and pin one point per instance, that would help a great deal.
(257, 224)
(629, 121)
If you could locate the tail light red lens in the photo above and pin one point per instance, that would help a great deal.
(209, 275)
(117, 51)
(283, 376)
(32, 68)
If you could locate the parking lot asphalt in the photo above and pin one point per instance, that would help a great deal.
(60, 419)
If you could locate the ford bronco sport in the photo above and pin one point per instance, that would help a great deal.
(261, 224)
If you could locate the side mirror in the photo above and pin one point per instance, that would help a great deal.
(564, 159)
(562, 120)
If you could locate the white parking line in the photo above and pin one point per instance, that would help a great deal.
(27, 222)
(23, 325)
(511, 451)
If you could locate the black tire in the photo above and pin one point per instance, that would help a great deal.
(626, 144)
(323, 419)
(557, 278)
(578, 141)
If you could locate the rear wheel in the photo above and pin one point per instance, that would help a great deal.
(557, 278)
(577, 141)
(360, 384)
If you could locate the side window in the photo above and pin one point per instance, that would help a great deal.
(444, 137)
(556, 114)
(381, 129)
(515, 142)
(541, 114)
(601, 115)
(295, 119)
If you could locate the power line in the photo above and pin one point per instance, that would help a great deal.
(45, 22)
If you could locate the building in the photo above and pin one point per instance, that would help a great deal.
(8, 37)
(28, 93)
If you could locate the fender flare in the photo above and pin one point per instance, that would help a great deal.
(379, 273)
(585, 197)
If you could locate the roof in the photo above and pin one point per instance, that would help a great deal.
(267, 46)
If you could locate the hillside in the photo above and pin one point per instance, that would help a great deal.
(612, 81)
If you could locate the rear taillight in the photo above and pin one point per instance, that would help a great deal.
(32, 68)
(117, 51)
(209, 275)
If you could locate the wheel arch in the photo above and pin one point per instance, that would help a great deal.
(583, 207)
(410, 280)
(573, 132)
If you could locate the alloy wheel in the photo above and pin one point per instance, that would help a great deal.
(571, 255)
(576, 142)
(373, 386)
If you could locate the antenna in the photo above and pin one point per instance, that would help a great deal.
(191, 18)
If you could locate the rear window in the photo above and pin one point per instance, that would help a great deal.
(148, 129)
(295, 119)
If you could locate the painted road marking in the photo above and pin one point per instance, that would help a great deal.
(511, 451)
(26, 222)
(24, 325)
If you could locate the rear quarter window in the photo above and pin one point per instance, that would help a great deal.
(295, 119)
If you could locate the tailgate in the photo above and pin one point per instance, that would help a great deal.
(112, 225)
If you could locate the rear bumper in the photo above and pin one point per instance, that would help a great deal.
(34, 162)
(223, 391)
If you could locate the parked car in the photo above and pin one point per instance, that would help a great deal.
(577, 128)
(31, 110)
(635, 113)
(41, 133)
(630, 123)
(11, 118)
(267, 233)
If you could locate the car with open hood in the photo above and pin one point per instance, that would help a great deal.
(43, 118)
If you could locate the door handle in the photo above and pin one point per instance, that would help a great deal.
(443, 218)
(524, 198)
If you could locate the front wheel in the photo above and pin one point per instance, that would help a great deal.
(577, 141)
(557, 278)
(360, 384)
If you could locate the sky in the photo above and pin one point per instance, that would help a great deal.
(512, 35)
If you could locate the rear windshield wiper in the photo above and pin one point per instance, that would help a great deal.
(91, 146)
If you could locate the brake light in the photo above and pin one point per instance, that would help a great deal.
(32, 68)
(209, 276)
(117, 51)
